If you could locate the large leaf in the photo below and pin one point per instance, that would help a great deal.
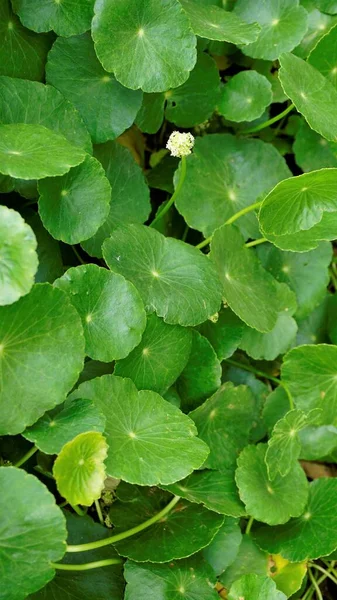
(255, 587)
(34, 103)
(159, 358)
(130, 196)
(190, 578)
(34, 152)
(154, 47)
(165, 270)
(224, 422)
(150, 440)
(19, 262)
(23, 53)
(224, 175)
(271, 502)
(245, 97)
(65, 18)
(163, 541)
(41, 355)
(283, 25)
(311, 535)
(106, 106)
(32, 534)
(111, 310)
(313, 95)
(79, 469)
(224, 547)
(65, 204)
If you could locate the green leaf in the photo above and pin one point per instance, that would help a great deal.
(224, 422)
(313, 329)
(103, 583)
(245, 97)
(160, 357)
(107, 107)
(162, 542)
(224, 334)
(310, 373)
(150, 440)
(19, 262)
(238, 173)
(213, 23)
(34, 103)
(311, 535)
(276, 407)
(270, 345)
(23, 53)
(201, 376)
(32, 534)
(41, 356)
(48, 251)
(284, 446)
(164, 269)
(34, 152)
(65, 18)
(255, 587)
(318, 442)
(306, 274)
(65, 204)
(251, 292)
(224, 547)
(79, 469)
(318, 25)
(283, 25)
(249, 559)
(110, 308)
(214, 489)
(323, 62)
(271, 502)
(327, 6)
(154, 47)
(190, 579)
(312, 151)
(305, 240)
(57, 428)
(287, 576)
(130, 196)
(313, 95)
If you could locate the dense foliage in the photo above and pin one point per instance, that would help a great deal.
(168, 315)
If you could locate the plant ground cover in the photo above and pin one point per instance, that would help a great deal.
(168, 314)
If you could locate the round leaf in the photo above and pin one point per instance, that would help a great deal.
(150, 440)
(106, 106)
(271, 502)
(111, 310)
(270, 345)
(18, 258)
(54, 430)
(64, 17)
(164, 269)
(41, 356)
(154, 47)
(79, 468)
(245, 97)
(34, 152)
(32, 534)
(160, 357)
(249, 559)
(324, 55)
(224, 334)
(224, 547)
(311, 535)
(283, 25)
(255, 587)
(312, 151)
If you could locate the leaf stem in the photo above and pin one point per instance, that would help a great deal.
(315, 584)
(176, 192)
(236, 363)
(78, 510)
(249, 525)
(231, 220)
(256, 242)
(99, 512)
(125, 534)
(333, 276)
(86, 566)
(78, 256)
(26, 456)
(326, 573)
(270, 121)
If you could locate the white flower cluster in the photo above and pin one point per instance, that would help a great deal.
(180, 144)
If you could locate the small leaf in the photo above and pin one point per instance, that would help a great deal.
(245, 97)
(255, 587)
(224, 547)
(19, 262)
(271, 502)
(287, 576)
(33, 533)
(150, 440)
(79, 469)
(110, 308)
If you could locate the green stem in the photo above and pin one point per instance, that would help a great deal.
(256, 242)
(80, 511)
(87, 566)
(251, 369)
(333, 277)
(315, 584)
(26, 456)
(125, 534)
(249, 525)
(290, 398)
(326, 573)
(231, 220)
(168, 205)
(78, 256)
(270, 121)
(99, 512)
